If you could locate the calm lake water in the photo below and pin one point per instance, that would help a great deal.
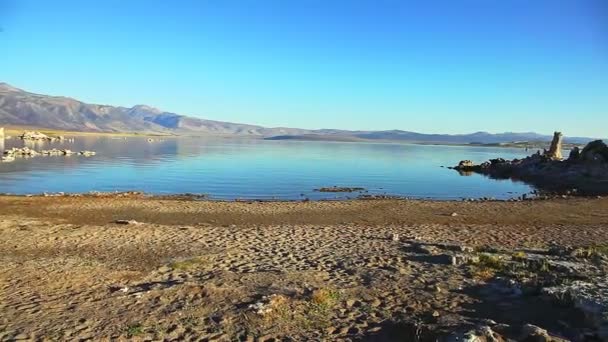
(255, 169)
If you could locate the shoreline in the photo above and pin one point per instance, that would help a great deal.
(534, 196)
(168, 210)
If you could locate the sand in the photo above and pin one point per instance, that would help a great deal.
(203, 270)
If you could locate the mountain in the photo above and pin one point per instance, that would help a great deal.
(22, 108)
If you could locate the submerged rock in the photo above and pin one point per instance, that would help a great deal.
(339, 189)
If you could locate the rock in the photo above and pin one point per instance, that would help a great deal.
(532, 333)
(126, 222)
(21, 152)
(480, 334)
(595, 151)
(466, 166)
(454, 214)
(589, 297)
(7, 159)
(455, 247)
(575, 154)
(87, 153)
(31, 135)
(463, 259)
(395, 237)
(465, 163)
(555, 150)
(27, 152)
(339, 189)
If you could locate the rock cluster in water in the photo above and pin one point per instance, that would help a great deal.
(340, 189)
(38, 136)
(584, 172)
(26, 152)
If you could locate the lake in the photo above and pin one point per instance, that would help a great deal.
(231, 169)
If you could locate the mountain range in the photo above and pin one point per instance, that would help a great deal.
(25, 109)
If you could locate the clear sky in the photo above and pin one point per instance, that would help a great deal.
(428, 66)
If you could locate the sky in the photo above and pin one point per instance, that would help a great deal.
(427, 66)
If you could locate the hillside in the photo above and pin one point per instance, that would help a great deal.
(21, 108)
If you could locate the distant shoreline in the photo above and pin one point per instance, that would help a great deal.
(18, 130)
(15, 131)
(531, 145)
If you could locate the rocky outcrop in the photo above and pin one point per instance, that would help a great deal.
(584, 172)
(595, 152)
(555, 151)
(590, 297)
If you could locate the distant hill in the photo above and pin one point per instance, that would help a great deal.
(479, 138)
(21, 108)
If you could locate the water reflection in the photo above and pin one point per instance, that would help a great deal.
(229, 169)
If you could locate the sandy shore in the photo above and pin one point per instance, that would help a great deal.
(201, 270)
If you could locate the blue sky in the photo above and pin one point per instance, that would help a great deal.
(428, 66)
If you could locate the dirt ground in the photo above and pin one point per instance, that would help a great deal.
(328, 270)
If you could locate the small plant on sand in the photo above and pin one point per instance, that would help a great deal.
(519, 256)
(491, 261)
(482, 273)
(325, 299)
(287, 315)
(189, 321)
(486, 267)
(592, 251)
(135, 329)
(187, 264)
